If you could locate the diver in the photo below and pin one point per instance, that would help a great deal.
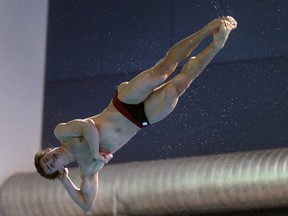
(144, 100)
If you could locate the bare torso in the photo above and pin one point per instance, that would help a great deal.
(114, 132)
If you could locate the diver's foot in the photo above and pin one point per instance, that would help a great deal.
(215, 25)
(222, 33)
(232, 22)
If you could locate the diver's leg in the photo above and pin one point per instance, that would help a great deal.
(164, 99)
(141, 86)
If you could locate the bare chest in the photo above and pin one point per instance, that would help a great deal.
(80, 149)
(115, 130)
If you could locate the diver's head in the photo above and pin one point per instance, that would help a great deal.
(48, 162)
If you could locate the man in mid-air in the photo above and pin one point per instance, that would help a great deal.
(144, 100)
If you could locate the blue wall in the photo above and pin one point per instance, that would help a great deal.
(91, 38)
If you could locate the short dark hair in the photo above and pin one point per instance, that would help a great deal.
(39, 168)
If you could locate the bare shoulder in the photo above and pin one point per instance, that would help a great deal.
(72, 128)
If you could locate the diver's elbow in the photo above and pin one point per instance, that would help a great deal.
(86, 208)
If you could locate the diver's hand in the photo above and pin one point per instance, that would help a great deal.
(107, 157)
(98, 165)
(103, 157)
(63, 172)
(100, 158)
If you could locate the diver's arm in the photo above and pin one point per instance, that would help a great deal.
(98, 165)
(84, 197)
(81, 128)
(91, 135)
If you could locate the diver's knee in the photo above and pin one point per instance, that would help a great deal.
(165, 67)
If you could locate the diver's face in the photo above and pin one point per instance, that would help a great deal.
(52, 161)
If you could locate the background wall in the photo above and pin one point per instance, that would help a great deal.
(22, 60)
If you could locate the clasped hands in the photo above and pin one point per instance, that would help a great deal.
(103, 157)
